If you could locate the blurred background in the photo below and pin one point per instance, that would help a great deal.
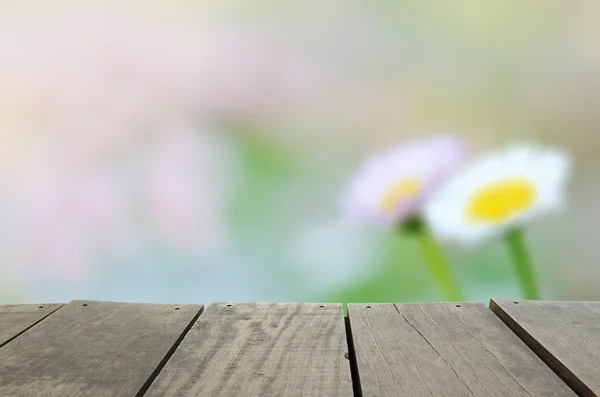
(195, 151)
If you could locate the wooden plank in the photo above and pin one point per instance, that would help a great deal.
(16, 319)
(90, 348)
(566, 335)
(444, 349)
(260, 349)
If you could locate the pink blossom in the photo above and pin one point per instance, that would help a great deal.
(393, 185)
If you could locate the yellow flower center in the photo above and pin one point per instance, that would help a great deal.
(398, 192)
(497, 202)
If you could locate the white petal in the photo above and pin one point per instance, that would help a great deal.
(547, 169)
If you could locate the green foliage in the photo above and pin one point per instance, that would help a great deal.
(398, 276)
(265, 170)
(9, 296)
(401, 275)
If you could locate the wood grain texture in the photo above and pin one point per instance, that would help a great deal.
(89, 348)
(260, 349)
(566, 335)
(444, 349)
(16, 319)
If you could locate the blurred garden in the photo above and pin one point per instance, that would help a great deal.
(190, 152)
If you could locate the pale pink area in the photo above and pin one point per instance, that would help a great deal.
(97, 77)
(430, 160)
(97, 63)
(180, 190)
(46, 240)
(66, 216)
(84, 95)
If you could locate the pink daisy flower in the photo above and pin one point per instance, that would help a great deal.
(394, 185)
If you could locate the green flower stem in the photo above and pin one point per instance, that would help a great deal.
(436, 260)
(518, 249)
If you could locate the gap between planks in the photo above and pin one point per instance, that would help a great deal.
(41, 306)
(561, 369)
(168, 356)
(356, 387)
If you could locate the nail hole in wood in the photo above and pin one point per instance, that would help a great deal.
(176, 308)
(457, 305)
(40, 307)
(228, 305)
(85, 304)
(516, 303)
(368, 307)
(322, 306)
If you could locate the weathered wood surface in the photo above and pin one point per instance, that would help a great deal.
(260, 349)
(89, 348)
(565, 334)
(16, 319)
(444, 349)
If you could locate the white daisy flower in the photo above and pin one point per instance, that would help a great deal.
(393, 185)
(499, 191)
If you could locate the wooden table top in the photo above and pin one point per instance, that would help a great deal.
(92, 348)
